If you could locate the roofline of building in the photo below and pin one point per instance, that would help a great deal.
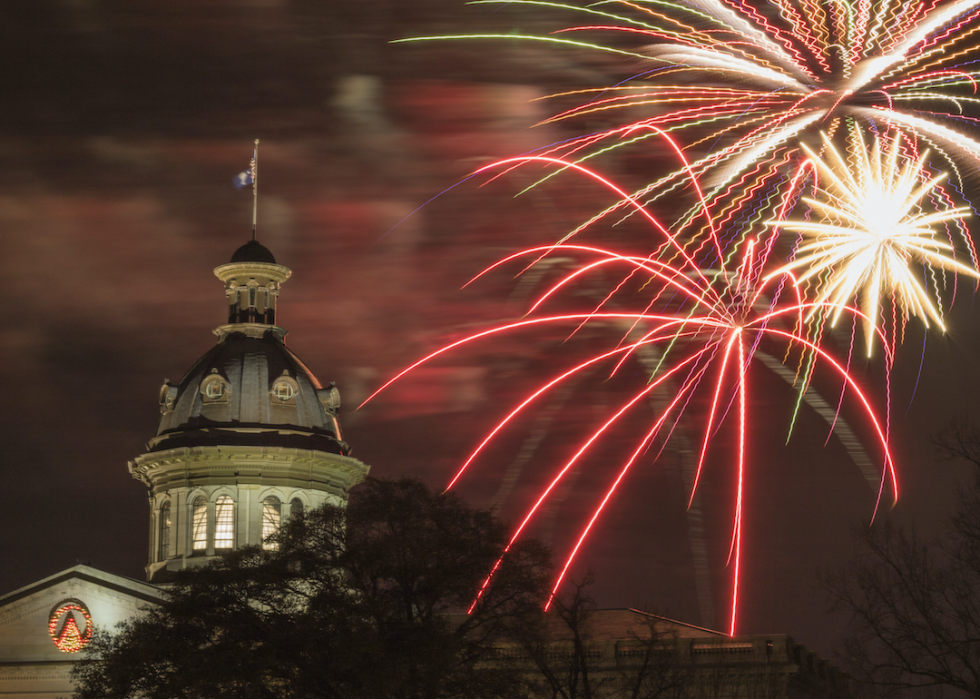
(129, 586)
(664, 618)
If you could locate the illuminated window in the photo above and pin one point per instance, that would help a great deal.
(283, 391)
(214, 389)
(224, 522)
(285, 388)
(164, 551)
(271, 519)
(295, 507)
(199, 525)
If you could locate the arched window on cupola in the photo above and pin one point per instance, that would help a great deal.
(163, 551)
(199, 525)
(295, 508)
(271, 520)
(224, 523)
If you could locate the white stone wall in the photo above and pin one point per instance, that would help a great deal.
(31, 665)
(248, 500)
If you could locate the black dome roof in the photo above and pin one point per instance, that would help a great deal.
(249, 413)
(253, 251)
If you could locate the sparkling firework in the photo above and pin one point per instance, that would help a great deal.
(744, 84)
(703, 326)
(741, 91)
(872, 228)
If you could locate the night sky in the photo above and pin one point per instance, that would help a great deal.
(122, 125)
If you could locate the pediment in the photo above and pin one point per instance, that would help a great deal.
(48, 621)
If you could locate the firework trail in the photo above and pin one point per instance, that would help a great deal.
(752, 95)
(707, 326)
(744, 85)
(753, 100)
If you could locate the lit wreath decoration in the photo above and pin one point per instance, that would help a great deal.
(70, 639)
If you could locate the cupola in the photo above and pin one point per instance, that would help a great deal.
(247, 438)
(252, 280)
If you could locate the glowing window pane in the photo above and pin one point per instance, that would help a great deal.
(283, 391)
(164, 551)
(224, 521)
(199, 525)
(271, 519)
(214, 389)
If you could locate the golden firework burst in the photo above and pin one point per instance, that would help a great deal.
(875, 233)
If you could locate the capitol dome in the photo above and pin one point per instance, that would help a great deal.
(249, 389)
(247, 439)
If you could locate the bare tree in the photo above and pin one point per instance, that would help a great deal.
(915, 604)
(559, 648)
(576, 651)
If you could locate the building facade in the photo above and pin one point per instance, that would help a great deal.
(44, 625)
(628, 653)
(248, 438)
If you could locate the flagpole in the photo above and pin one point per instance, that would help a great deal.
(255, 188)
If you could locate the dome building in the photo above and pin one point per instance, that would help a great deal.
(246, 439)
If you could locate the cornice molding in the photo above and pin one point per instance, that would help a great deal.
(250, 330)
(216, 465)
(275, 272)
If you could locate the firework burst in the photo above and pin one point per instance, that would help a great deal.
(872, 230)
(703, 327)
(743, 86)
(740, 91)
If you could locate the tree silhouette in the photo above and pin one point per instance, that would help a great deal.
(915, 604)
(364, 602)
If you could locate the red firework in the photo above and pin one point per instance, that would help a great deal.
(706, 325)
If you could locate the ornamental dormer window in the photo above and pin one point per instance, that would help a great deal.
(215, 389)
(168, 396)
(285, 389)
(330, 398)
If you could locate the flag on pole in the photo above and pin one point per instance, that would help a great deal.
(245, 177)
